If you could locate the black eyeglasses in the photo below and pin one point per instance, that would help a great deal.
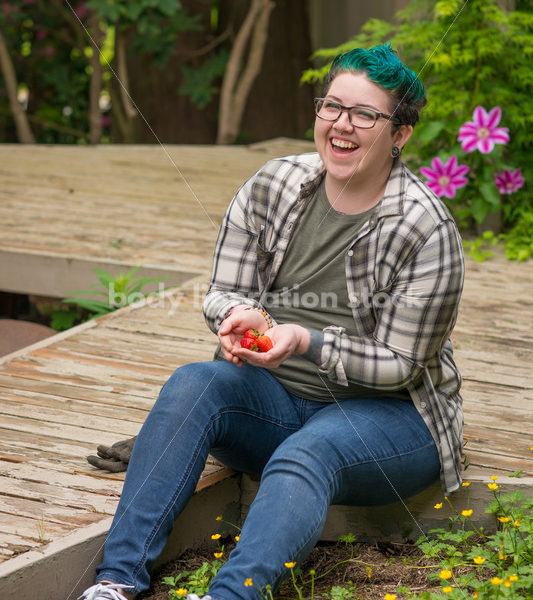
(359, 116)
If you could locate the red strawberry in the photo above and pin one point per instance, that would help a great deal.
(249, 344)
(263, 343)
(251, 333)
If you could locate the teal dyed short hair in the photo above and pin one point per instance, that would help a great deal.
(382, 66)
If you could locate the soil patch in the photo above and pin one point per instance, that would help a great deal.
(373, 571)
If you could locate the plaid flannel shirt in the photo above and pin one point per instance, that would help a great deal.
(404, 275)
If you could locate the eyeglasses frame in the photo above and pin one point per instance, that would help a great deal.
(347, 110)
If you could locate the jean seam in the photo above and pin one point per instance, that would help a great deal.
(258, 415)
(385, 459)
(178, 489)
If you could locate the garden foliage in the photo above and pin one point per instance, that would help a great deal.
(50, 46)
(468, 55)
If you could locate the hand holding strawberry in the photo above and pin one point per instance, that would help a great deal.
(233, 328)
(280, 342)
(255, 341)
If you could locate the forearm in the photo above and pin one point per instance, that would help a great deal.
(311, 346)
(218, 304)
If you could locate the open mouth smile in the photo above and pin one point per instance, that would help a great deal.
(342, 146)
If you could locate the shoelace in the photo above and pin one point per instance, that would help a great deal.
(105, 591)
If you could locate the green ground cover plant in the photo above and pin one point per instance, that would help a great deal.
(459, 562)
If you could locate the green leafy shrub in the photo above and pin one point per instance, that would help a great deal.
(473, 564)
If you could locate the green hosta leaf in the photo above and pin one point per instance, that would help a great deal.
(479, 209)
(490, 194)
(430, 131)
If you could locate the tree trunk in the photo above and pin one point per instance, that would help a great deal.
(277, 104)
(238, 80)
(22, 125)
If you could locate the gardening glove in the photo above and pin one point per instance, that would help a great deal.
(113, 458)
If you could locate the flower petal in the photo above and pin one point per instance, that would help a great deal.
(429, 173)
(468, 128)
(449, 191)
(450, 166)
(461, 170)
(486, 146)
(480, 116)
(459, 182)
(500, 135)
(437, 165)
(435, 187)
(470, 144)
(494, 117)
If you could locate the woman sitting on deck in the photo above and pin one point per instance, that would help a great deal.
(354, 269)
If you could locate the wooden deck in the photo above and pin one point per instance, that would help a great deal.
(95, 383)
(66, 209)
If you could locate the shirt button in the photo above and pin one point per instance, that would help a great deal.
(423, 405)
(350, 252)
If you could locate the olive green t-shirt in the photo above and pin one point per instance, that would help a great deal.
(310, 289)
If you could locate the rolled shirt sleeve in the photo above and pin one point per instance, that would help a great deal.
(412, 324)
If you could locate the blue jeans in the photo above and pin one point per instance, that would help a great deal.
(311, 454)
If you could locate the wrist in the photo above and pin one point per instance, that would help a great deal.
(312, 349)
(304, 337)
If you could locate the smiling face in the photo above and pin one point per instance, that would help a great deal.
(352, 155)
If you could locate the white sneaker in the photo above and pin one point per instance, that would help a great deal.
(105, 591)
(196, 597)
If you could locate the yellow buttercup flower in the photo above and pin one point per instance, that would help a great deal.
(219, 518)
(513, 577)
(479, 560)
(517, 523)
(237, 538)
(290, 565)
(467, 513)
(466, 483)
(475, 595)
(494, 477)
(493, 486)
(248, 582)
(504, 519)
(502, 556)
(445, 574)
(182, 592)
(218, 554)
(437, 506)
(216, 536)
(496, 581)
(507, 583)
(389, 597)
(447, 590)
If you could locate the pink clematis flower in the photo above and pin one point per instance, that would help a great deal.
(508, 182)
(483, 133)
(445, 179)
